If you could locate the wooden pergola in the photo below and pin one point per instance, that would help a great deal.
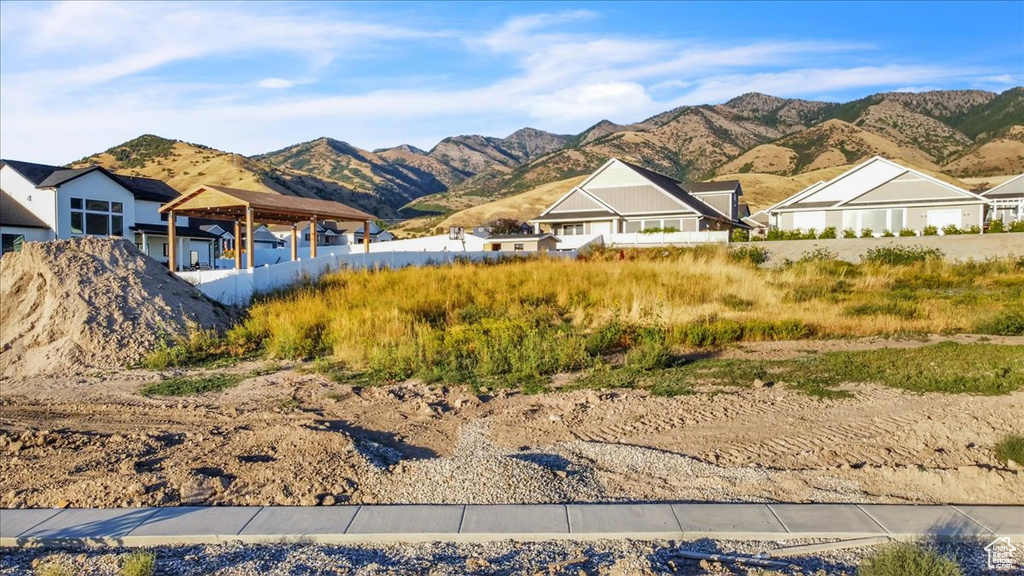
(232, 204)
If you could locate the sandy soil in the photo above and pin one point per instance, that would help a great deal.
(294, 438)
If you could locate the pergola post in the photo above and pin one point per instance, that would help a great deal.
(250, 244)
(238, 245)
(172, 242)
(312, 237)
(295, 242)
(366, 236)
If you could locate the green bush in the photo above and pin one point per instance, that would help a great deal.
(774, 234)
(828, 233)
(196, 347)
(138, 563)
(901, 255)
(739, 235)
(1010, 448)
(951, 230)
(996, 226)
(756, 255)
(888, 234)
(1017, 226)
(650, 353)
(867, 233)
(810, 234)
(908, 558)
(929, 231)
(975, 229)
(907, 232)
(849, 233)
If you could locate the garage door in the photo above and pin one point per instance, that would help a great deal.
(941, 218)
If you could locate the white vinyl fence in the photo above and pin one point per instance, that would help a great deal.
(238, 286)
(666, 238)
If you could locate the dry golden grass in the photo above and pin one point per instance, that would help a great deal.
(523, 206)
(552, 309)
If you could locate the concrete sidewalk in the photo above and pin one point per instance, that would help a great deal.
(354, 524)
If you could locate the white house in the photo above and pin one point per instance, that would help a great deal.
(330, 233)
(1006, 200)
(93, 201)
(879, 195)
(620, 197)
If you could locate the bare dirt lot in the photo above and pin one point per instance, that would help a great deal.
(288, 437)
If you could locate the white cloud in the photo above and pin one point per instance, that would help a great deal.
(591, 102)
(279, 83)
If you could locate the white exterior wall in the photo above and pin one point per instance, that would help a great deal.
(92, 186)
(42, 203)
(147, 212)
(617, 175)
(30, 234)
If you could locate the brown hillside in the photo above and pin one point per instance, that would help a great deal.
(523, 206)
(1002, 155)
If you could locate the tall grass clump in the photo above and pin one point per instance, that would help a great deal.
(1010, 448)
(906, 558)
(138, 563)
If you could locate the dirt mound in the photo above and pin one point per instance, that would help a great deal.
(71, 305)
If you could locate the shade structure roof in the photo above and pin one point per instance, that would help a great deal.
(222, 203)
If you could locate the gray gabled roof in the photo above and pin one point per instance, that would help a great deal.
(13, 213)
(704, 187)
(46, 176)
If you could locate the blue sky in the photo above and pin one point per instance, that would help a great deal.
(77, 78)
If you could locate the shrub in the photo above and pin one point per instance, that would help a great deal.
(1017, 226)
(901, 255)
(867, 233)
(1010, 448)
(774, 234)
(905, 558)
(811, 234)
(929, 231)
(975, 229)
(907, 232)
(756, 255)
(650, 353)
(818, 255)
(828, 233)
(996, 226)
(951, 230)
(849, 233)
(139, 563)
(888, 234)
(196, 347)
(739, 235)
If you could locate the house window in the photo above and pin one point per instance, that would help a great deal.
(632, 226)
(571, 229)
(673, 224)
(12, 243)
(518, 247)
(892, 219)
(97, 217)
(165, 249)
(648, 224)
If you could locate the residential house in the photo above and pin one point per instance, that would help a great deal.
(19, 225)
(94, 201)
(544, 242)
(621, 197)
(758, 222)
(879, 195)
(1006, 201)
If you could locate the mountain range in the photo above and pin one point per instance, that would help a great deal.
(958, 133)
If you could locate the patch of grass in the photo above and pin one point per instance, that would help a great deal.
(1009, 322)
(138, 563)
(198, 347)
(905, 558)
(192, 385)
(905, 310)
(1010, 448)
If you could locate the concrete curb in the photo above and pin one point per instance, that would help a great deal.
(473, 523)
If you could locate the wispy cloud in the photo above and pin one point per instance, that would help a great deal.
(228, 75)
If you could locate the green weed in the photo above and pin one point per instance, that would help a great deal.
(906, 558)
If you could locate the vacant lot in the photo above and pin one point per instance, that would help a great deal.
(837, 424)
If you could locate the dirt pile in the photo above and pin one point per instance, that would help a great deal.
(72, 305)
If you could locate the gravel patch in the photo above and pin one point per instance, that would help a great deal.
(604, 558)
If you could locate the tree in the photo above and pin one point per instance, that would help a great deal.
(505, 226)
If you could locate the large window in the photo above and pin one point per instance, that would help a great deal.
(97, 217)
(12, 243)
(571, 229)
(632, 226)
